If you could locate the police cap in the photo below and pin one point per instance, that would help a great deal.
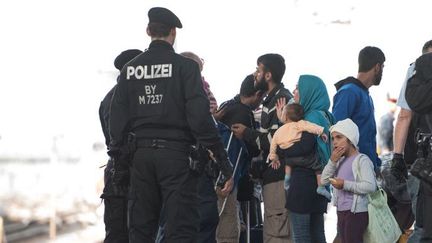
(164, 16)
(125, 57)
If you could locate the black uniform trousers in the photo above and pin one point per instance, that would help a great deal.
(115, 214)
(161, 178)
(207, 209)
(424, 212)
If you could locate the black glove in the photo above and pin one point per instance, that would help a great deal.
(113, 151)
(398, 167)
(222, 159)
(119, 178)
(199, 159)
(120, 183)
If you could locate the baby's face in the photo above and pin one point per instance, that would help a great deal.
(285, 114)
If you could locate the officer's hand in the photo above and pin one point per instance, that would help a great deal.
(398, 167)
(219, 113)
(337, 183)
(120, 182)
(229, 184)
(238, 129)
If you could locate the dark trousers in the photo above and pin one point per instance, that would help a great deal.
(307, 228)
(351, 226)
(424, 212)
(160, 177)
(115, 219)
(208, 211)
(115, 214)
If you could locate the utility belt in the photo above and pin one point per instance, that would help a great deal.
(199, 160)
(163, 144)
(422, 167)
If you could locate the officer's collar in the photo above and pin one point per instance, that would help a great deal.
(161, 44)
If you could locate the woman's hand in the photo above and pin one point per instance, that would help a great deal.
(279, 109)
(324, 137)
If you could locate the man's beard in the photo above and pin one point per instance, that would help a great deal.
(378, 78)
(261, 85)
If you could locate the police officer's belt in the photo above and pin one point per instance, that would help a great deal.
(163, 144)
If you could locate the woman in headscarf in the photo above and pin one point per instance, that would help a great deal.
(306, 207)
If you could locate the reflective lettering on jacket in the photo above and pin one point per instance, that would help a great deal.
(149, 71)
(150, 96)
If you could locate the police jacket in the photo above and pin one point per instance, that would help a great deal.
(160, 96)
(104, 109)
(269, 124)
(418, 98)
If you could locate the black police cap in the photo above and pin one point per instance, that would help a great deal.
(164, 16)
(125, 57)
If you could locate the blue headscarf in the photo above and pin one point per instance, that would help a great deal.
(316, 103)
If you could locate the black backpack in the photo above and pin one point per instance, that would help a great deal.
(418, 92)
(418, 95)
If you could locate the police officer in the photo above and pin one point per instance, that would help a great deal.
(115, 202)
(161, 100)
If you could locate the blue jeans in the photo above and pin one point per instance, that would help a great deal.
(307, 228)
(413, 188)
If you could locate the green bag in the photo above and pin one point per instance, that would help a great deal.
(382, 227)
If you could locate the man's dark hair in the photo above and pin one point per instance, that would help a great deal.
(247, 88)
(295, 112)
(275, 64)
(369, 57)
(159, 30)
(426, 46)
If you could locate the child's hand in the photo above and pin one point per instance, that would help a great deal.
(275, 164)
(337, 183)
(337, 153)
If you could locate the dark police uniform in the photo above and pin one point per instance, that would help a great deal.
(115, 213)
(418, 97)
(160, 98)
